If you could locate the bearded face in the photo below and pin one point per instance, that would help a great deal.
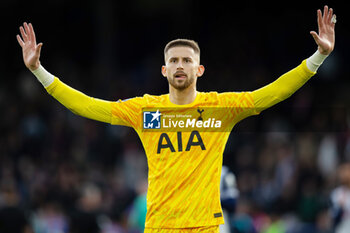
(182, 67)
(181, 80)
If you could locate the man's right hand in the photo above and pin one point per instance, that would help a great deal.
(30, 50)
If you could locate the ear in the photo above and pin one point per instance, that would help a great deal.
(200, 70)
(164, 71)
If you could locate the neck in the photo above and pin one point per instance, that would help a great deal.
(182, 97)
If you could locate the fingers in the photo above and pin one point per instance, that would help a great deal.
(319, 19)
(325, 13)
(27, 31)
(38, 48)
(32, 33)
(23, 34)
(330, 15)
(326, 17)
(331, 19)
(20, 41)
(333, 22)
(316, 37)
(322, 16)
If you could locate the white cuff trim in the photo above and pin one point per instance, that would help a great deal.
(43, 76)
(315, 61)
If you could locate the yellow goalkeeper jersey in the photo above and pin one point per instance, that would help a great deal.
(184, 144)
(184, 162)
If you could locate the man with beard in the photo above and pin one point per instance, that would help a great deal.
(184, 150)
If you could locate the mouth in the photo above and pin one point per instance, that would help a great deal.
(180, 75)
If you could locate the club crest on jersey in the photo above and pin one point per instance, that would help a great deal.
(152, 120)
(200, 111)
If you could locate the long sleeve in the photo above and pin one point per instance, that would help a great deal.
(79, 103)
(281, 88)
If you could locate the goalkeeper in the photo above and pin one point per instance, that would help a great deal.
(184, 165)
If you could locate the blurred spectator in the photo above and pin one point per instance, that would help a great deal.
(12, 218)
(242, 221)
(340, 198)
(328, 157)
(277, 225)
(84, 218)
(228, 196)
(324, 222)
(49, 218)
(137, 215)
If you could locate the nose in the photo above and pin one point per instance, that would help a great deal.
(179, 65)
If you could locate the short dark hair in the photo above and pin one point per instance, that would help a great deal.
(182, 42)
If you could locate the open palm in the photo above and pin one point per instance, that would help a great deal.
(326, 37)
(30, 50)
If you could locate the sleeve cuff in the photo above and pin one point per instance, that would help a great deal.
(306, 68)
(51, 88)
(315, 61)
(43, 76)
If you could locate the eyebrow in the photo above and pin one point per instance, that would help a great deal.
(171, 58)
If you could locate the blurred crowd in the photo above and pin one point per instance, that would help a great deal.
(60, 173)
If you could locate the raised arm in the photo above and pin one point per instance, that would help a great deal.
(74, 100)
(291, 81)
